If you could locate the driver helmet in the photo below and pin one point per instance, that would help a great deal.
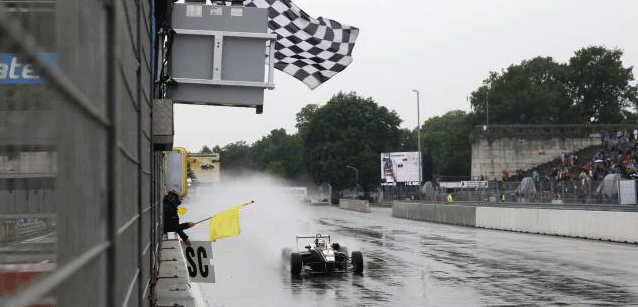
(321, 244)
(175, 197)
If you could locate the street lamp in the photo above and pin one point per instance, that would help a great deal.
(418, 133)
(356, 175)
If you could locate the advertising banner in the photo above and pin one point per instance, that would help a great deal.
(14, 71)
(205, 167)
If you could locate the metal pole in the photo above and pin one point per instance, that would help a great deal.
(112, 141)
(418, 134)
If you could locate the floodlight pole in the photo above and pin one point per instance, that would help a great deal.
(356, 175)
(418, 134)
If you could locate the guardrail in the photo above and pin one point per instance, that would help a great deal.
(547, 192)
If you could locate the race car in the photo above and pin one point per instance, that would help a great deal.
(323, 257)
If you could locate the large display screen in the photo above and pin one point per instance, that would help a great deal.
(400, 167)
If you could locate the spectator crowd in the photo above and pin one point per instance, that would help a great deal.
(618, 155)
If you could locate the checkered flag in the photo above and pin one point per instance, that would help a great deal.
(311, 50)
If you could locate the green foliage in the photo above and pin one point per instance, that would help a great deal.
(279, 153)
(445, 140)
(205, 149)
(236, 157)
(349, 131)
(592, 88)
(599, 84)
(304, 115)
(532, 92)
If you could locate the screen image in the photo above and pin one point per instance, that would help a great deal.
(399, 167)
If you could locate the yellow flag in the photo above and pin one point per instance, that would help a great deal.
(225, 224)
(181, 211)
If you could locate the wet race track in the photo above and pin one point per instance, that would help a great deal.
(410, 263)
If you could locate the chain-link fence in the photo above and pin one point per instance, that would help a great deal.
(546, 191)
(79, 183)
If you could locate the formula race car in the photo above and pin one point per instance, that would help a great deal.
(323, 257)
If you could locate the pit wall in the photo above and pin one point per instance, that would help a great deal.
(598, 225)
(491, 157)
(355, 205)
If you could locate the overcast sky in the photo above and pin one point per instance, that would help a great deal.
(444, 49)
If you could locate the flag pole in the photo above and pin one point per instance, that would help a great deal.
(210, 217)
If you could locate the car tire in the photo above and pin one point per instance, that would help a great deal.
(357, 262)
(295, 264)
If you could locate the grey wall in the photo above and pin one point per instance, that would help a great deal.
(355, 205)
(438, 213)
(94, 115)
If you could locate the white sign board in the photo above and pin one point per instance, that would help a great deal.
(176, 171)
(627, 192)
(474, 184)
(198, 256)
(400, 167)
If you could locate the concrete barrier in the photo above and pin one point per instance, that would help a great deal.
(355, 205)
(173, 286)
(439, 213)
(599, 225)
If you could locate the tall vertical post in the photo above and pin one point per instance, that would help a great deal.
(418, 135)
(112, 153)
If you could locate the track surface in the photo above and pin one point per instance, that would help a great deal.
(413, 263)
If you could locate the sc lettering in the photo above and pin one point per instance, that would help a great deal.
(192, 266)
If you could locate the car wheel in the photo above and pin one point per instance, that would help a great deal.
(357, 262)
(295, 264)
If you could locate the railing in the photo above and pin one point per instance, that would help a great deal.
(549, 131)
(547, 192)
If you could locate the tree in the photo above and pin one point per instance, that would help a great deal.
(279, 153)
(533, 92)
(236, 157)
(304, 116)
(205, 149)
(599, 84)
(592, 88)
(446, 142)
(349, 131)
(408, 140)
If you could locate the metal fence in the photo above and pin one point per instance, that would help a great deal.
(80, 185)
(547, 192)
